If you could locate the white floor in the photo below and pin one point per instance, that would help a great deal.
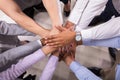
(87, 56)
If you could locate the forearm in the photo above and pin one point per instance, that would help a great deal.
(112, 42)
(17, 69)
(13, 29)
(82, 73)
(16, 14)
(9, 56)
(50, 68)
(107, 30)
(77, 11)
(54, 10)
(92, 9)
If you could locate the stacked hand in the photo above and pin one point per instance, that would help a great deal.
(64, 39)
(67, 51)
(58, 40)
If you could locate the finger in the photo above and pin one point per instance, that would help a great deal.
(50, 37)
(54, 40)
(54, 43)
(61, 28)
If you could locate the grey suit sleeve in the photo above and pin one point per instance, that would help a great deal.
(13, 29)
(8, 57)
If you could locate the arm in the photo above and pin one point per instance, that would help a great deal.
(54, 9)
(13, 29)
(85, 10)
(12, 10)
(50, 68)
(111, 42)
(107, 30)
(81, 72)
(9, 56)
(16, 70)
(77, 11)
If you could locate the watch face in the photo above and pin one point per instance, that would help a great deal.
(78, 38)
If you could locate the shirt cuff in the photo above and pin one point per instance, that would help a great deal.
(41, 52)
(39, 42)
(86, 36)
(74, 66)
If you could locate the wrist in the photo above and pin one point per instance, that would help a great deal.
(44, 32)
(68, 61)
(47, 49)
(56, 24)
(70, 23)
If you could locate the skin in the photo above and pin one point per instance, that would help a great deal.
(47, 50)
(69, 55)
(65, 37)
(69, 25)
(13, 10)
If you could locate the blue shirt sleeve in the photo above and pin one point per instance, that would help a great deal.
(82, 73)
(117, 77)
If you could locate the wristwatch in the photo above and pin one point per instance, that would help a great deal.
(78, 37)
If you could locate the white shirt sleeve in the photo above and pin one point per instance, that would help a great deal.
(78, 11)
(106, 30)
(94, 8)
(84, 11)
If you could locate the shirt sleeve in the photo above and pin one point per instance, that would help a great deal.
(107, 30)
(117, 76)
(13, 29)
(17, 69)
(84, 11)
(77, 11)
(50, 68)
(112, 42)
(82, 73)
(92, 9)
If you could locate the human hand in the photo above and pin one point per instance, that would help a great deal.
(45, 33)
(48, 49)
(67, 51)
(69, 25)
(65, 37)
(71, 57)
(54, 31)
